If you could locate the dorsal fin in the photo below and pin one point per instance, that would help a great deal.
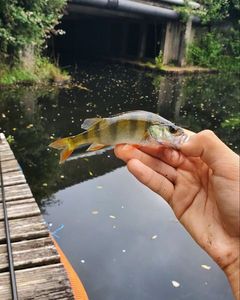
(90, 122)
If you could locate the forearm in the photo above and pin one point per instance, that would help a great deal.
(233, 274)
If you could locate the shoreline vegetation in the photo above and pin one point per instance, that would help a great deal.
(46, 72)
(26, 26)
(43, 72)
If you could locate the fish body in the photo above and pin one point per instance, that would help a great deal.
(134, 127)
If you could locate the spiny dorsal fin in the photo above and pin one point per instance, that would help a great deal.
(90, 122)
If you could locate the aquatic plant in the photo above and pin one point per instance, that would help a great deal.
(159, 60)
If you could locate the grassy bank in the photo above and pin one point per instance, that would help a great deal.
(43, 72)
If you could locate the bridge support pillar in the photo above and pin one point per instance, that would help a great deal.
(142, 42)
(187, 38)
(177, 38)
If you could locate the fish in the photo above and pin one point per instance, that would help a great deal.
(134, 127)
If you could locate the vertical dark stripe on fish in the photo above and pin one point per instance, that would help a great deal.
(97, 131)
(146, 126)
(86, 135)
(132, 127)
(113, 131)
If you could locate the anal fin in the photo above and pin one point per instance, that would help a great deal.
(65, 154)
(95, 147)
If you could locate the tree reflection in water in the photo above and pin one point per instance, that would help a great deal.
(34, 116)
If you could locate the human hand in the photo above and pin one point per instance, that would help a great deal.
(201, 184)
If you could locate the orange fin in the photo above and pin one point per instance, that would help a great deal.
(65, 154)
(95, 147)
(64, 145)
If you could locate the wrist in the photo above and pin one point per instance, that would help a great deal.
(232, 272)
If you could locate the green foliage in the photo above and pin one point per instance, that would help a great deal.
(214, 10)
(47, 70)
(15, 74)
(10, 139)
(233, 122)
(206, 51)
(159, 60)
(44, 71)
(209, 11)
(220, 47)
(27, 22)
(216, 50)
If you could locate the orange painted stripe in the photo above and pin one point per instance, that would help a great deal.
(76, 284)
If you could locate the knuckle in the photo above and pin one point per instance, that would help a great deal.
(207, 133)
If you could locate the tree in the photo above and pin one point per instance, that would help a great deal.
(27, 22)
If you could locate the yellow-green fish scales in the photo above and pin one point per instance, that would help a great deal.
(136, 127)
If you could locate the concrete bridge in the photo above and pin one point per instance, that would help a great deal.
(135, 29)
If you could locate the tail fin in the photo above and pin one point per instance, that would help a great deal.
(65, 145)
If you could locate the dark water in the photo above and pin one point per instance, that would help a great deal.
(121, 238)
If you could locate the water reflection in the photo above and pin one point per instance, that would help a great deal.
(110, 225)
(116, 256)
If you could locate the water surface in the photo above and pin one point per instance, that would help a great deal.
(121, 238)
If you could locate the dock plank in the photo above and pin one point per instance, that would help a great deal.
(7, 156)
(17, 192)
(25, 229)
(39, 272)
(13, 178)
(28, 254)
(10, 166)
(46, 282)
(20, 209)
(5, 146)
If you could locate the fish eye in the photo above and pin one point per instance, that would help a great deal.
(172, 130)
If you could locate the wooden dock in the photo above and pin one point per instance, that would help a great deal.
(38, 270)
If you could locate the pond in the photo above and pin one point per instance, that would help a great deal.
(121, 238)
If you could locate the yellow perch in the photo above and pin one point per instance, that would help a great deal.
(134, 127)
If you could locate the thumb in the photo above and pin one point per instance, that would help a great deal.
(207, 146)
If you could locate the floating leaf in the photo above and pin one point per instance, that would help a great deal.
(175, 284)
(112, 217)
(206, 267)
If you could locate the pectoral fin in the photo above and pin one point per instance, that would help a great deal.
(95, 147)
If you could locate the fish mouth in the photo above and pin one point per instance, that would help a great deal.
(184, 138)
(177, 142)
